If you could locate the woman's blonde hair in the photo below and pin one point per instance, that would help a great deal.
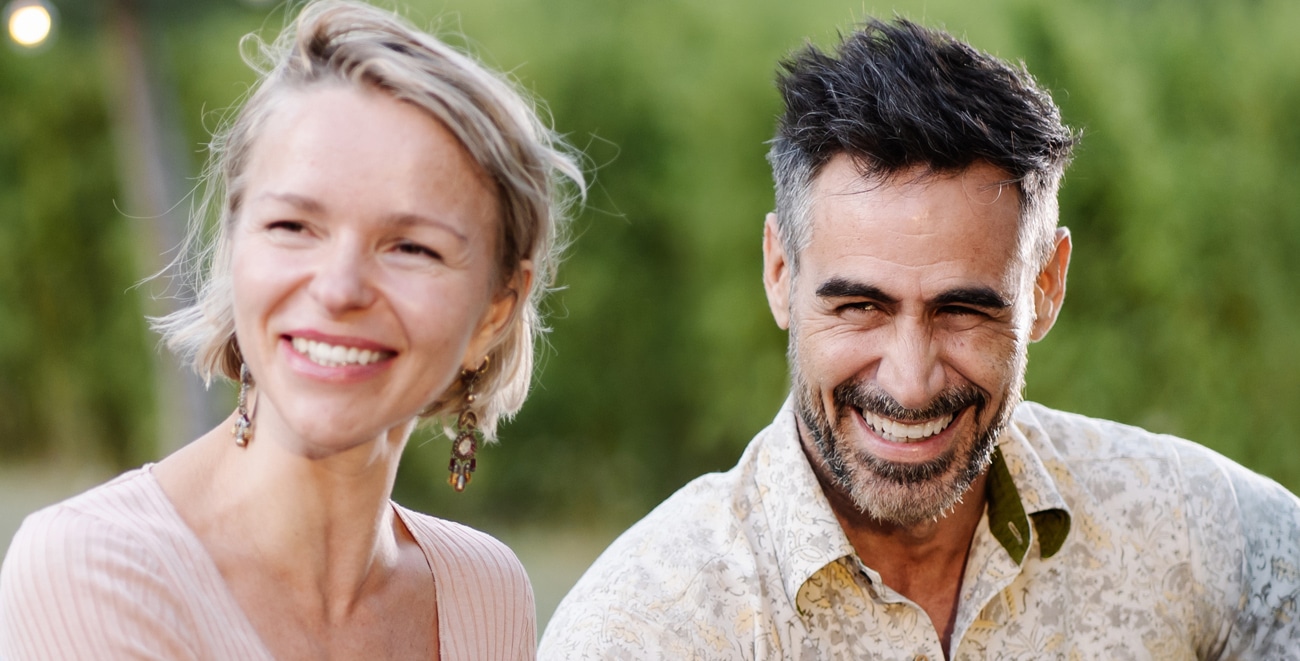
(334, 41)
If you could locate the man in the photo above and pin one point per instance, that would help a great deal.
(905, 504)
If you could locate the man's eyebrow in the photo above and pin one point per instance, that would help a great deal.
(843, 288)
(980, 297)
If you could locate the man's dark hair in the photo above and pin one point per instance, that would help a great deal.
(898, 96)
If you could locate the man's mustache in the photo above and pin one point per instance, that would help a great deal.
(872, 398)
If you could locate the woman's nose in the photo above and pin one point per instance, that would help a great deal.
(342, 280)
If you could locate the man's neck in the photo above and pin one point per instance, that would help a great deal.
(923, 562)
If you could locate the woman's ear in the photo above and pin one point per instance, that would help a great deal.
(1049, 286)
(500, 311)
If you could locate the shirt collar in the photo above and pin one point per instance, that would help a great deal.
(805, 533)
(807, 536)
(1021, 489)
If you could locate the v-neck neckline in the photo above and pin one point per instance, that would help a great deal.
(228, 601)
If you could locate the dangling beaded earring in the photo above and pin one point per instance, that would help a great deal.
(465, 445)
(243, 429)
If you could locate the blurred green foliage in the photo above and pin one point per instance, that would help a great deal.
(664, 360)
(74, 362)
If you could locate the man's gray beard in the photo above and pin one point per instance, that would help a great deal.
(898, 493)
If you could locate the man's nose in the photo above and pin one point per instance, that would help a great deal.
(910, 368)
(342, 280)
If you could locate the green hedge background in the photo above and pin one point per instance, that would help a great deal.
(1182, 314)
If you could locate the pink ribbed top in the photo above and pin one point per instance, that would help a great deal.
(114, 573)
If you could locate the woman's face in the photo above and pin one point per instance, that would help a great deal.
(362, 267)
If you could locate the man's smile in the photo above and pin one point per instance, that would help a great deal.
(903, 432)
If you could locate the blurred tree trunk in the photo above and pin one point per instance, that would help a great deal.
(153, 181)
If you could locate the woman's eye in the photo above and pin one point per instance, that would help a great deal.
(408, 248)
(286, 225)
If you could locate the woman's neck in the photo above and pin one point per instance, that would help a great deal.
(321, 524)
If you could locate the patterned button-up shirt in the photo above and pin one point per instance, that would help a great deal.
(1099, 541)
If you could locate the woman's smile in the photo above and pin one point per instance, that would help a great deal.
(337, 360)
(332, 351)
(335, 355)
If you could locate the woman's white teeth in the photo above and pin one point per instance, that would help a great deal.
(333, 355)
(901, 432)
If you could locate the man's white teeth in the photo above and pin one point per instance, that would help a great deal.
(901, 432)
(333, 355)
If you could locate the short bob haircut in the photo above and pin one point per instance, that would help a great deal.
(342, 42)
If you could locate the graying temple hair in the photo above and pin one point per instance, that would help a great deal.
(897, 97)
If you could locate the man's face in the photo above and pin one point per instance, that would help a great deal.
(909, 319)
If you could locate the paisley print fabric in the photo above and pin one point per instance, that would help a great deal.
(1141, 546)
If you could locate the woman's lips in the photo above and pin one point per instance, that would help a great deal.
(328, 354)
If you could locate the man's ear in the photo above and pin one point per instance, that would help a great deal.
(1049, 287)
(499, 312)
(776, 273)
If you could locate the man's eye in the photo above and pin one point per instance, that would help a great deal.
(961, 311)
(860, 306)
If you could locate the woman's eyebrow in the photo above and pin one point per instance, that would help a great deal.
(400, 219)
(293, 199)
(407, 219)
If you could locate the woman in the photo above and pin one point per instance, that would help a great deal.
(386, 225)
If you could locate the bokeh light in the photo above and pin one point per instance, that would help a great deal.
(29, 22)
